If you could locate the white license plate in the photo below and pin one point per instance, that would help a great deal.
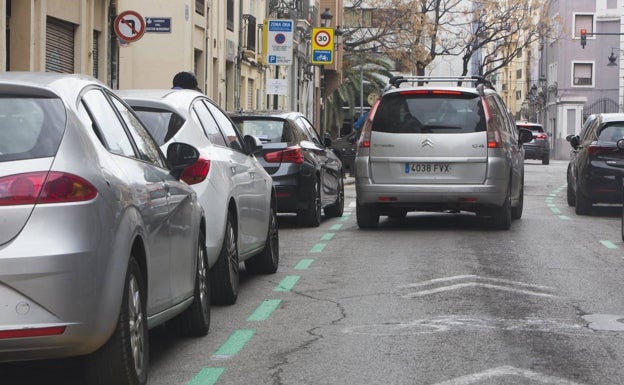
(427, 168)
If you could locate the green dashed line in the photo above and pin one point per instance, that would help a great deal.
(318, 248)
(551, 205)
(235, 343)
(287, 283)
(564, 217)
(344, 218)
(304, 264)
(336, 227)
(609, 244)
(327, 236)
(207, 376)
(555, 210)
(265, 310)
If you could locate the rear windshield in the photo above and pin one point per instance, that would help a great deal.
(612, 132)
(439, 114)
(532, 127)
(267, 130)
(30, 127)
(162, 124)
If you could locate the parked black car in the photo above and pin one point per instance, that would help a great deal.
(539, 147)
(596, 166)
(307, 173)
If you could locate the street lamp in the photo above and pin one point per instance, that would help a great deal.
(326, 18)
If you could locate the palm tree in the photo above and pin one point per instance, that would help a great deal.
(360, 69)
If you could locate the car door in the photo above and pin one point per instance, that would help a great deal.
(250, 183)
(144, 196)
(330, 164)
(180, 238)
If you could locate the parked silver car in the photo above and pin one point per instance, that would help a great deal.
(436, 148)
(100, 240)
(234, 189)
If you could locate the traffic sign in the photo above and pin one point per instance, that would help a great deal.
(322, 45)
(279, 42)
(129, 26)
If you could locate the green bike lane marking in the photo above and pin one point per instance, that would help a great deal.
(239, 338)
(609, 244)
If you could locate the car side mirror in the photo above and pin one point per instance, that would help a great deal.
(253, 145)
(180, 156)
(574, 141)
(620, 144)
(525, 136)
(327, 140)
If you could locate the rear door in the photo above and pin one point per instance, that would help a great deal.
(429, 136)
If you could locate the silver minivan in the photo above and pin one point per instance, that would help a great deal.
(437, 148)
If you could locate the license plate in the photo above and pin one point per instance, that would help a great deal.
(427, 168)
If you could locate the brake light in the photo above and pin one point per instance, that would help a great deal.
(292, 154)
(197, 172)
(445, 92)
(414, 92)
(541, 136)
(595, 149)
(32, 332)
(44, 187)
(368, 126)
(493, 133)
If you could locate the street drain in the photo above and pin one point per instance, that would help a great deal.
(605, 322)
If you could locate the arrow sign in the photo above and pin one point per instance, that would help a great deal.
(129, 26)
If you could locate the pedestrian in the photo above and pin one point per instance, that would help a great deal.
(185, 80)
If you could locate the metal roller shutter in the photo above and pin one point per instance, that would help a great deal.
(59, 46)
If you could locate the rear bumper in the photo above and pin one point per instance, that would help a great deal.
(535, 152)
(294, 191)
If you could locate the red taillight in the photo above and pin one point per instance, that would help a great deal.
(197, 172)
(414, 92)
(594, 149)
(493, 134)
(33, 332)
(289, 155)
(44, 187)
(541, 136)
(365, 137)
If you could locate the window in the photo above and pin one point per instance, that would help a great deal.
(582, 74)
(518, 95)
(583, 21)
(227, 127)
(519, 74)
(200, 5)
(210, 126)
(230, 15)
(251, 33)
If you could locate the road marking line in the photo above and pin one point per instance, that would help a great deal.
(207, 376)
(265, 310)
(555, 210)
(318, 247)
(609, 244)
(304, 264)
(327, 236)
(506, 371)
(235, 343)
(287, 283)
(474, 284)
(336, 227)
(564, 217)
(475, 277)
(551, 205)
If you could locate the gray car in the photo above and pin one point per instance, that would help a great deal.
(100, 239)
(438, 148)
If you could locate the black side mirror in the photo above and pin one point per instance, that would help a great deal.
(253, 145)
(327, 141)
(574, 140)
(620, 144)
(180, 156)
(524, 135)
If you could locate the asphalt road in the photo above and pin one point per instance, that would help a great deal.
(435, 299)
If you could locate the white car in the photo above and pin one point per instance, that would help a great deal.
(237, 194)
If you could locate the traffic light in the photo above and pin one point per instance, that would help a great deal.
(583, 37)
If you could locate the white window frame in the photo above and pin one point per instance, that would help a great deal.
(576, 32)
(593, 75)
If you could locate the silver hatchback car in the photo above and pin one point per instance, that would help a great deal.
(100, 239)
(438, 148)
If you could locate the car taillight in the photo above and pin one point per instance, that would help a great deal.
(493, 134)
(32, 332)
(541, 136)
(289, 155)
(365, 137)
(44, 187)
(596, 149)
(197, 172)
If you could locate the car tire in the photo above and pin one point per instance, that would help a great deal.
(124, 358)
(225, 273)
(501, 216)
(516, 211)
(311, 217)
(583, 205)
(367, 216)
(546, 159)
(337, 209)
(195, 320)
(267, 261)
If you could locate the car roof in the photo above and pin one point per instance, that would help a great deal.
(266, 114)
(66, 86)
(528, 124)
(611, 117)
(429, 83)
(179, 100)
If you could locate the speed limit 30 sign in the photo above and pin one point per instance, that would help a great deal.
(322, 46)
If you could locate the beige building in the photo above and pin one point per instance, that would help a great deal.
(143, 43)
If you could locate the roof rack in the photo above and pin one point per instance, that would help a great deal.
(396, 81)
